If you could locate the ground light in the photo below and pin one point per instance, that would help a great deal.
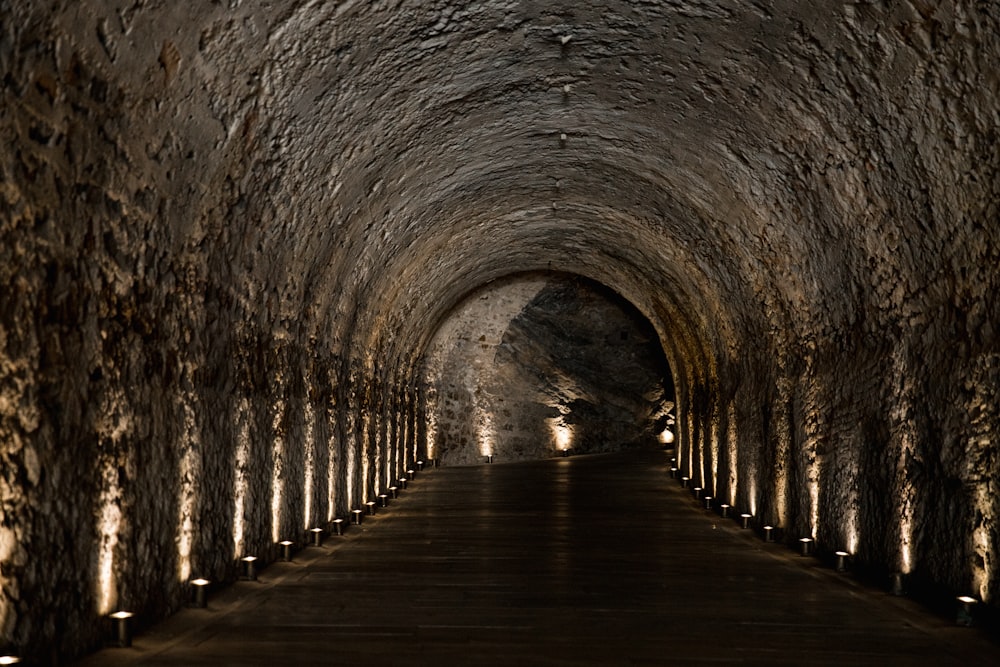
(200, 587)
(123, 628)
(965, 607)
(842, 561)
(250, 568)
(805, 545)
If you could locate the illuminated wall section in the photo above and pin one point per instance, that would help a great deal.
(309, 442)
(732, 453)
(277, 469)
(241, 463)
(112, 429)
(190, 482)
(333, 463)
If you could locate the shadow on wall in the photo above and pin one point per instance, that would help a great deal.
(543, 363)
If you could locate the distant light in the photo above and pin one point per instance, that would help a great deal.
(724, 508)
(249, 568)
(199, 592)
(122, 615)
(667, 436)
(768, 533)
(806, 545)
(9, 660)
(964, 616)
(841, 560)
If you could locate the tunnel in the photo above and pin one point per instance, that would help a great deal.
(233, 235)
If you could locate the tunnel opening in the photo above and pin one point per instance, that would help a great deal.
(544, 364)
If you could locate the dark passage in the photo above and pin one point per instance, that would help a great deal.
(598, 560)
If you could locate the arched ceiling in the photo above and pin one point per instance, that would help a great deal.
(737, 169)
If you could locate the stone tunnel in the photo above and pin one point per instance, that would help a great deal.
(255, 256)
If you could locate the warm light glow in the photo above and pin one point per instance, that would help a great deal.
(351, 470)
(984, 561)
(365, 454)
(277, 468)
(430, 423)
(814, 506)
(331, 467)
(965, 599)
(732, 455)
(121, 615)
(485, 433)
(379, 458)
(394, 437)
(667, 437)
(200, 582)
(310, 462)
(109, 525)
(562, 433)
(700, 449)
(713, 443)
(781, 476)
(190, 478)
(242, 459)
(906, 540)
(753, 495)
(9, 660)
(688, 447)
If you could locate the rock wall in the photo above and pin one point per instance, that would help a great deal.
(531, 367)
(229, 232)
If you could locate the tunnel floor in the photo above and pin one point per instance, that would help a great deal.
(599, 560)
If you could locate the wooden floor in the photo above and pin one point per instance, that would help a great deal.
(599, 560)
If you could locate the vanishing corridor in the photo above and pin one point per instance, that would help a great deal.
(600, 560)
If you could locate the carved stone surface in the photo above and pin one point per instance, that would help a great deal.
(230, 230)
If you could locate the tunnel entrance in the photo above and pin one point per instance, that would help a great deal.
(539, 365)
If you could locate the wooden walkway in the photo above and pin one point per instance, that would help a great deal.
(599, 560)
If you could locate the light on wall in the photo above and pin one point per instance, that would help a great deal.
(109, 525)
(562, 434)
(277, 479)
(240, 464)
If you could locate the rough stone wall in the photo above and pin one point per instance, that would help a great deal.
(229, 232)
(532, 366)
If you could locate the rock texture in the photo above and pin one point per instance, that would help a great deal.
(534, 367)
(230, 230)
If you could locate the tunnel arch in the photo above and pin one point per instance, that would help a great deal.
(228, 231)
